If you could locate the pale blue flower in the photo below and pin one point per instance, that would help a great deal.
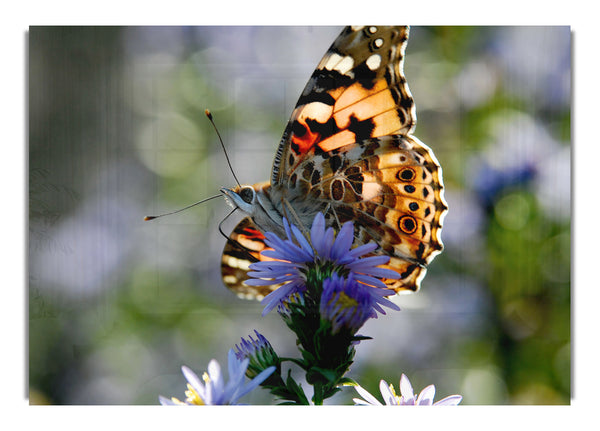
(407, 397)
(212, 389)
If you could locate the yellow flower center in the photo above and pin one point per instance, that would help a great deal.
(346, 301)
(192, 396)
(394, 393)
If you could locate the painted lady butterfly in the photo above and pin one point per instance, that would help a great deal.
(347, 151)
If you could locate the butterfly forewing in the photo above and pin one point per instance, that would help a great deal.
(358, 91)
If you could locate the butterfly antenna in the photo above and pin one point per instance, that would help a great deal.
(209, 115)
(147, 218)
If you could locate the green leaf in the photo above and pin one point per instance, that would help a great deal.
(330, 376)
(296, 389)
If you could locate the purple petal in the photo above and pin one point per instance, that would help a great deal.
(286, 226)
(317, 231)
(325, 251)
(384, 273)
(363, 249)
(274, 298)
(259, 282)
(271, 274)
(273, 240)
(343, 241)
(288, 252)
(302, 240)
(288, 249)
(373, 260)
(274, 254)
(271, 264)
(371, 281)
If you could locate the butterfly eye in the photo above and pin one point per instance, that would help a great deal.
(247, 194)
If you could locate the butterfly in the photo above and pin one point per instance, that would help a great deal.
(347, 151)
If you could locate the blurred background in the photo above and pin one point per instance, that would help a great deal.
(117, 131)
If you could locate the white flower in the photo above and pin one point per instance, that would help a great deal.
(407, 397)
(214, 390)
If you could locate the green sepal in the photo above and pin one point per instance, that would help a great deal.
(347, 381)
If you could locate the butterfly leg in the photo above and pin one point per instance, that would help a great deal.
(295, 219)
(223, 221)
(334, 213)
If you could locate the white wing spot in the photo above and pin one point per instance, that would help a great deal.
(230, 279)
(332, 61)
(345, 65)
(372, 29)
(374, 61)
(370, 190)
(238, 263)
(378, 42)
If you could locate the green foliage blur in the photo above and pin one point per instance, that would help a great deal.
(117, 131)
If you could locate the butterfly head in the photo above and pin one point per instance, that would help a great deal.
(258, 202)
(242, 197)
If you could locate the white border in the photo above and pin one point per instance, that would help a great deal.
(579, 14)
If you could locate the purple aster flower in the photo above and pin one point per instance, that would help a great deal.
(251, 347)
(347, 303)
(260, 353)
(214, 390)
(407, 397)
(299, 262)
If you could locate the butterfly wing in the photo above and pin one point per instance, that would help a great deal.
(357, 91)
(243, 248)
(348, 148)
(392, 188)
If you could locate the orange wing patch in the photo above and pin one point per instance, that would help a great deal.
(357, 92)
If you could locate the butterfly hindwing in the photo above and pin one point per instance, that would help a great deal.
(392, 188)
(358, 91)
(243, 248)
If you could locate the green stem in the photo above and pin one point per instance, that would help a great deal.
(318, 395)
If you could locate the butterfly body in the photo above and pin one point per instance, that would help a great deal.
(348, 152)
(266, 205)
